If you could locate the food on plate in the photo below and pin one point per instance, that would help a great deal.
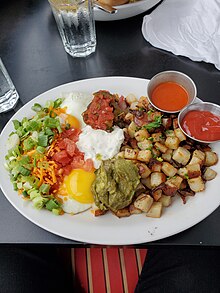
(99, 113)
(115, 184)
(105, 152)
(202, 125)
(75, 191)
(170, 96)
(114, 2)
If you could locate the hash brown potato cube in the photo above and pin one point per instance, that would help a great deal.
(176, 181)
(181, 155)
(143, 202)
(132, 128)
(157, 178)
(157, 137)
(155, 165)
(147, 182)
(141, 134)
(211, 159)
(144, 155)
(134, 106)
(209, 174)
(167, 156)
(157, 194)
(129, 117)
(178, 133)
(123, 213)
(131, 98)
(155, 210)
(133, 210)
(130, 154)
(172, 142)
(145, 144)
(197, 157)
(183, 172)
(166, 200)
(162, 148)
(144, 171)
(168, 169)
(196, 184)
(169, 189)
(193, 170)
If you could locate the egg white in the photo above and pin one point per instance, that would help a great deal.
(71, 206)
(76, 103)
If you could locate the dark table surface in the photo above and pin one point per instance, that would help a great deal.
(31, 50)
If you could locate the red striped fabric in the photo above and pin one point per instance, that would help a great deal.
(79, 264)
(114, 270)
(97, 270)
(111, 270)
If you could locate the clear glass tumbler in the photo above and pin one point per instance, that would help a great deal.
(8, 93)
(75, 22)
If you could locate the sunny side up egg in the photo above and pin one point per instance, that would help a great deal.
(75, 192)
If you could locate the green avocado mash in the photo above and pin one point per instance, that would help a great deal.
(115, 184)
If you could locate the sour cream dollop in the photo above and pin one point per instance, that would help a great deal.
(100, 145)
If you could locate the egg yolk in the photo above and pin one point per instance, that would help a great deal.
(78, 185)
(73, 121)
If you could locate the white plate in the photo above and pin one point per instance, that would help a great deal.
(125, 11)
(108, 229)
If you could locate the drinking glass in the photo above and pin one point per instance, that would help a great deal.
(8, 93)
(76, 25)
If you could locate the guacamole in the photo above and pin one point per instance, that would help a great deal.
(115, 184)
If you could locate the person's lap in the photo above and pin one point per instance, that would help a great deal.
(32, 269)
(180, 270)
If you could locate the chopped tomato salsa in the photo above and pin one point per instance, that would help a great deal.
(99, 114)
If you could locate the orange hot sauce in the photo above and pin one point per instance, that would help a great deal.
(170, 96)
(202, 125)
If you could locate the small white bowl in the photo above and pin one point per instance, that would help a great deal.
(125, 10)
(203, 106)
(172, 76)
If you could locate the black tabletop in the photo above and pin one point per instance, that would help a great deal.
(31, 49)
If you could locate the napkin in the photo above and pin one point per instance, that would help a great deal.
(189, 28)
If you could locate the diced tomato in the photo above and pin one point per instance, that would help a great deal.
(62, 145)
(67, 169)
(72, 134)
(62, 157)
(70, 146)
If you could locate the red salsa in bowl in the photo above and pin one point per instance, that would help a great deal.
(201, 122)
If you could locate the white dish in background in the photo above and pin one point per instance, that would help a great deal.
(125, 11)
(108, 229)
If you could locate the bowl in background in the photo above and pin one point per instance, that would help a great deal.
(175, 77)
(202, 106)
(125, 10)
